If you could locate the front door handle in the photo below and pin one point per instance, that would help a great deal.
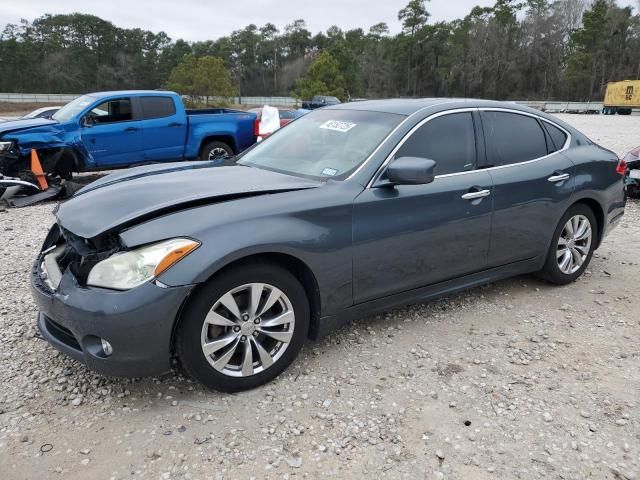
(558, 177)
(476, 195)
(131, 129)
(175, 124)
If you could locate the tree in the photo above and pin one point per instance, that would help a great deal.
(515, 49)
(204, 76)
(322, 78)
(589, 43)
(269, 51)
(413, 17)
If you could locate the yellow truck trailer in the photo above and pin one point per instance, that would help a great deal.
(621, 97)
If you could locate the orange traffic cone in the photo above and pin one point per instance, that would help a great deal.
(36, 168)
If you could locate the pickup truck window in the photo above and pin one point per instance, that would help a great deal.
(111, 111)
(157, 107)
(323, 144)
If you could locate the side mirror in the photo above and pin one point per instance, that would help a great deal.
(411, 171)
(86, 121)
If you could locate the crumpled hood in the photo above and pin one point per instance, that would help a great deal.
(15, 125)
(132, 196)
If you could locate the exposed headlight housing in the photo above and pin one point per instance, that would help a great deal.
(127, 270)
(5, 146)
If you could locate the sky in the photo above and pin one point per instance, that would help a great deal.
(209, 19)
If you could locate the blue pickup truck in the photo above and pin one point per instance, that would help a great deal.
(106, 130)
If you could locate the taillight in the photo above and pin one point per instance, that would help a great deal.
(621, 168)
(256, 127)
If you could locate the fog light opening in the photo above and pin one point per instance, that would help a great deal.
(106, 347)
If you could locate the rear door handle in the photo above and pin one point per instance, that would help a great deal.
(558, 177)
(131, 129)
(476, 195)
(175, 124)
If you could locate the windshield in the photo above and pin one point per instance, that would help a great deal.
(323, 144)
(73, 108)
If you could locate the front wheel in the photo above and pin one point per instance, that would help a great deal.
(215, 150)
(572, 246)
(244, 327)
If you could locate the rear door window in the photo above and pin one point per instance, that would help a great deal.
(449, 140)
(157, 107)
(512, 138)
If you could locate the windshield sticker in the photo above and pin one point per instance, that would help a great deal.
(337, 126)
(329, 172)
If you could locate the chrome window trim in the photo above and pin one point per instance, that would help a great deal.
(380, 169)
(566, 145)
(528, 114)
(566, 132)
(384, 140)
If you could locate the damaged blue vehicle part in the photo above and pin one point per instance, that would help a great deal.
(59, 147)
(107, 130)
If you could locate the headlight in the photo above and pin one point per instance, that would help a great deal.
(5, 146)
(127, 270)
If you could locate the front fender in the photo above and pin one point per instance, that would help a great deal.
(43, 136)
(229, 231)
(51, 138)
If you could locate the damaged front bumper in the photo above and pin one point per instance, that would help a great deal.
(75, 319)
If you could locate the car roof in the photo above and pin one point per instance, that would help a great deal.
(130, 93)
(44, 109)
(259, 109)
(408, 106)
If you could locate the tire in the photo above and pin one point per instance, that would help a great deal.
(194, 334)
(64, 167)
(552, 271)
(633, 191)
(214, 150)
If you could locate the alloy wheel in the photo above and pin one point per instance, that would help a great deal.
(574, 244)
(248, 329)
(217, 152)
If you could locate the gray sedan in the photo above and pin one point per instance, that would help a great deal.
(350, 210)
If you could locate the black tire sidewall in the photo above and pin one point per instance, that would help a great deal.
(189, 330)
(551, 270)
(204, 154)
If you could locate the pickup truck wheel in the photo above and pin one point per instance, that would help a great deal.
(64, 167)
(214, 150)
(243, 327)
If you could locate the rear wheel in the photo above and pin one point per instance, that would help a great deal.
(243, 328)
(215, 150)
(572, 246)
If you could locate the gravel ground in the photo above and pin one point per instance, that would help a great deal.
(517, 379)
